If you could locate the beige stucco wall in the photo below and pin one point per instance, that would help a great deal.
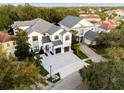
(9, 49)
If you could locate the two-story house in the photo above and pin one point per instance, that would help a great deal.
(74, 23)
(44, 35)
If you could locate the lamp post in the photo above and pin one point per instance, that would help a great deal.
(50, 73)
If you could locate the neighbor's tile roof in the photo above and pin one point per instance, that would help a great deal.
(70, 21)
(106, 25)
(17, 24)
(4, 37)
(109, 24)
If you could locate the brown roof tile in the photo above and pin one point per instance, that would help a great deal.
(4, 37)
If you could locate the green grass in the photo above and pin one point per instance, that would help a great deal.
(4, 30)
(43, 71)
(102, 50)
(89, 61)
(81, 55)
(38, 62)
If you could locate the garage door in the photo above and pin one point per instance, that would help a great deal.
(66, 49)
(58, 50)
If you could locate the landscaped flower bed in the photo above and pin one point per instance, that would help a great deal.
(54, 78)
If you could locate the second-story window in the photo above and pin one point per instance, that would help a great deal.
(35, 38)
(56, 37)
(67, 37)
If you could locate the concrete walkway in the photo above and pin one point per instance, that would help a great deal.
(91, 54)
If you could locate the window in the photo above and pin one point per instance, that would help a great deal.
(56, 37)
(14, 43)
(8, 44)
(66, 49)
(67, 37)
(35, 38)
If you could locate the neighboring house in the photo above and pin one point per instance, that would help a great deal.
(7, 43)
(77, 24)
(91, 17)
(88, 11)
(46, 36)
(90, 14)
(119, 12)
(89, 37)
(108, 25)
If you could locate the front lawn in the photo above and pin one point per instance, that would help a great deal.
(81, 55)
(38, 61)
(77, 51)
(89, 61)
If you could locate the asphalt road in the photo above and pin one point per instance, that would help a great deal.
(71, 82)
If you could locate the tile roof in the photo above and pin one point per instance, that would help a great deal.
(107, 25)
(70, 21)
(53, 29)
(46, 39)
(4, 37)
(38, 25)
(63, 32)
(59, 42)
(17, 24)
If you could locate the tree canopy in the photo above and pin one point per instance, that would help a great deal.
(22, 45)
(103, 15)
(107, 75)
(115, 37)
(19, 75)
(10, 13)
